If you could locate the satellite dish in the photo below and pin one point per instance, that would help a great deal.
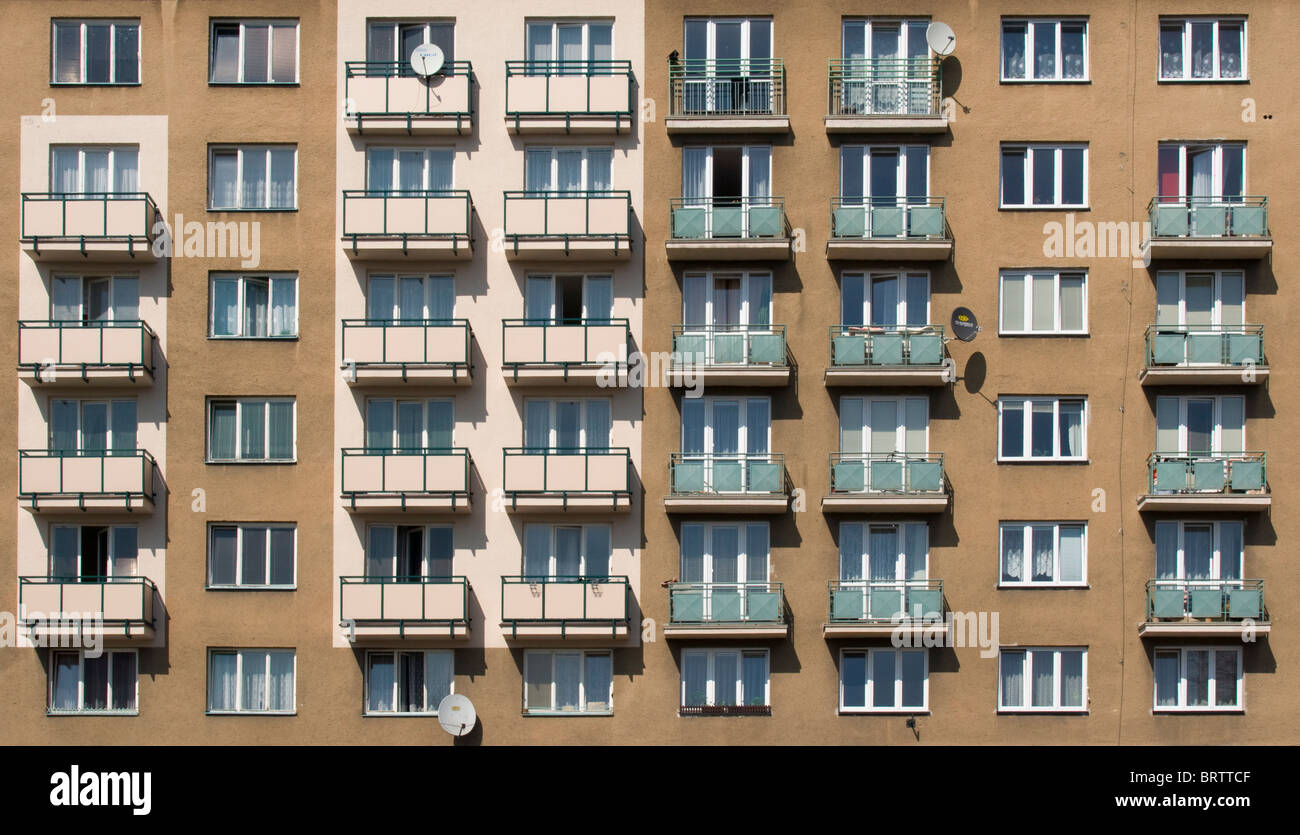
(427, 59)
(456, 714)
(941, 39)
(964, 325)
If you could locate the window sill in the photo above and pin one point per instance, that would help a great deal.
(248, 462)
(392, 714)
(254, 83)
(688, 711)
(61, 713)
(1043, 461)
(1201, 710)
(884, 711)
(236, 209)
(218, 338)
(565, 713)
(1084, 207)
(1043, 711)
(1025, 81)
(95, 84)
(1044, 334)
(251, 588)
(250, 713)
(1043, 586)
(1202, 80)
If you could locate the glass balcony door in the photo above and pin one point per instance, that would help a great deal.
(409, 425)
(885, 301)
(566, 551)
(409, 169)
(726, 435)
(721, 312)
(726, 182)
(410, 298)
(405, 553)
(94, 170)
(94, 298)
(568, 299)
(886, 67)
(93, 426)
(728, 66)
(571, 426)
(1200, 425)
(92, 552)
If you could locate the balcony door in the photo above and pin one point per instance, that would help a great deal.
(566, 47)
(1200, 426)
(1200, 300)
(568, 170)
(95, 170)
(94, 298)
(728, 68)
(884, 426)
(410, 298)
(409, 553)
(391, 43)
(884, 175)
(566, 426)
(884, 553)
(90, 553)
(1205, 551)
(726, 182)
(409, 169)
(885, 301)
(396, 425)
(1209, 172)
(886, 67)
(568, 299)
(93, 426)
(559, 552)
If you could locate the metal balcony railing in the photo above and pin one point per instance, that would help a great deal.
(570, 88)
(886, 601)
(125, 344)
(89, 217)
(108, 474)
(1207, 472)
(713, 474)
(903, 473)
(727, 87)
(443, 343)
(54, 598)
(368, 472)
(408, 215)
(730, 345)
(1204, 345)
(543, 472)
(893, 345)
(391, 89)
(884, 87)
(565, 601)
(526, 342)
(569, 215)
(382, 601)
(1209, 217)
(1205, 600)
(888, 218)
(728, 218)
(726, 604)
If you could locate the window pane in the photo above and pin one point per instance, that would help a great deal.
(284, 307)
(223, 682)
(281, 420)
(1013, 554)
(1072, 50)
(1202, 49)
(256, 293)
(882, 678)
(1071, 678)
(1072, 176)
(221, 433)
(253, 571)
(853, 676)
(253, 683)
(1043, 296)
(225, 53)
(124, 425)
(282, 178)
(225, 185)
(1071, 440)
(1013, 50)
(67, 56)
(284, 54)
(1171, 51)
(253, 182)
(94, 687)
(1225, 678)
(439, 673)
(754, 683)
(1198, 677)
(1041, 425)
(1043, 666)
(1013, 682)
(1042, 538)
(1013, 303)
(725, 678)
(126, 54)
(1045, 49)
(537, 688)
(913, 674)
(1043, 161)
(98, 49)
(281, 684)
(1071, 554)
(599, 676)
(256, 50)
(67, 676)
(222, 560)
(1234, 159)
(122, 666)
(695, 678)
(1166, 675)
(252, 430)
(1230, 50)
(1071, 302)
(379, 682)
(1013, 429)
(1013, 177)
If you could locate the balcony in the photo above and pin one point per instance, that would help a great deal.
(1204, 609)
(886, 482)
(407, 225)
(729, 229)
(92, 227)
(422, 351)
(590, 610)
(384, 97)
(53, 353)
(561, 480)
(727, 483)
(887, 356)
(424, 480)
(1207, 227)
(727, 95)
(1178, 355)
(384, 608)
(62, 481)
(59, 610)
(542, 352)
(888, 229)
(883, 608)
(568, 225)
(570, 97)
(1209, 481)
(885, 95)
(726, 610)
(730, 355)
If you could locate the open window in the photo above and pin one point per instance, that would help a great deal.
(568, 299)
(409, 553)
(92, 553)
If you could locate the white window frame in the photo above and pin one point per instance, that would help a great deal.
(1027, 436)
(271, 24)
(867, 24)
(240, 654)
(1211, 682)
(902, 313)
(81, 709)
(708, 401)
(552, 425)
(84, 281)
(430, 707)
(1216, 437)
(584, 546)
(1030, 150)
(240, 530)
(583, 699)
(113, 172)
(395, 27)
(1058, 682)
(427, 279)
(424, 403)
(555, 24)
(240, 151)
(110, 559)
(1216, 174)
(711, 691)
(900, 428)
(82, 23)
(1028, 277)
(1218, 278)
(553, 280)
(746, 151)
(1029, 24)
(899, 153)
(900, 558)
(1025, 530)
(896, 684)
(1216, 555)
(239, 410)
(109, 431)
(242, 280)
(427, 155)
(711, 27)
(747, 278)
(1186, 24)
(426, 555)
(742, 556)
(553, 177)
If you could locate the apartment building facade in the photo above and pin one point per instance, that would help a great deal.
(329, 403)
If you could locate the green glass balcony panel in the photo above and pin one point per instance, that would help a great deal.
(728, 221)
(1205, 348)
(688, 477)
(886, 222)
(729, 348)
(1247, 475)
(851, 222)
(1168, 348)
(688, 606)
(927, 349)
(1171, 221)
(1168, 603)
(1171, 475)
(887, 349)
(764, 606)
(886, 475)
(886, 603)
(846, 604)
(690, 223)
(767, 348)
(764, 222)
(764, 477)
(1249, 220)
(926, 222)
(1209, 220)
(726, 606)
(1206, 603)
(1245, 603)
(1244, 348)
(850, 350)
(925, 476)
(925, 604)
(1208, 475)
(690, 348)
(727, 477)
(850, 475)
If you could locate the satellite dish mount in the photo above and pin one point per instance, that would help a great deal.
(427, 60)
(941, 39)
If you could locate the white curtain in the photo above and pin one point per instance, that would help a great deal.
(98, 176)
(692, 553)
(1071, 441)
(1071, 678)
(225, 681)
(1013, 50)
(537, 169)
(440, 169)
(256, 297)
(1166, 550)
(254, 680)
(916, 547)
(726, 428)
(726, 555)
(851, 551)
(442, 297)
(379, 169)
(1043, 666)
(600, 163)
(757, 552)
(280, 420)
(1203, 49)
(1013, 554)
(225, 180)
(1071, 554)
(599, 425)
(65, 299)
(126, 175)
(281, 681)
(253, 180)
(568, 424)
(537, 424)
(1167, 677)
(380, 680)
(760, 174)
(439, 675)
(568, 674)
(568, 177)
(725, 678)
(599, 302)
(537, 551)
(883, 554)
(693, 426)
(1198, 551)
(695, 183)
(1042, 541)
(598, 677)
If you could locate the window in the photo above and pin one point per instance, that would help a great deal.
(94, 298)
(1042, 554)
(568, 682)
(95, 52)
(883, 681)
(81, 684)
(566, 551)
(566, 425)
(723, 678)
(93, 426)
(252, 556)
(727, 427)
(409, 425)
(92, 553)
(253, 177)
(1201, 425)
(1199, 550)
(884, 552)
(728, 65)
(1042, 680)
(409, 169)
(726, 176)
(727, 299)
(1044, 176)
(251, 429)
(886, 67)
(884, 175)
(884, 425)
(723, 553)
(393, 41)
(1044, 50)
(108, 169)
(1208, 170)
(568, 170)
(251, 680)
(405, 298)
(568, 299)
(1050, 428)
(1043, 302)
(412, 682)
(409, 553)
(564, 47)
(1202, 49)
(1201, 299)
(254, 306)
(254, 52)
(1200, 679)
(884, 300)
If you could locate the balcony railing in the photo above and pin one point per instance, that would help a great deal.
(726, 604)
(887, 472)
(727, 87)
(565, 602)
(729, 345)
(568, 215)
(90, 218)
(1208, 217)
(709, 474)
(124, 345)
(441, 343)
(408, 216)
(119, 603)
(602, 342)
(1205, 345)
(441, 602)
(885, 87)
(866, 345)
(569, 89)
(886, 601)
(1206, 472)
(568, 473)
(888, 218)
(106, 477)
(729, 218)
(406, 473)
(383, 91)
(1205, 600)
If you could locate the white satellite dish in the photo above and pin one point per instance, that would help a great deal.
(427, 59)
(941, 39)
(456, 714)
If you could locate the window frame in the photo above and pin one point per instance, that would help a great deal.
(1026, 531)
(431, 709)
(1217, 149)
(395, 448)
(711, 687)
(240, 528)
(583, 699)
(1218, 430)
(901, 153)
(81, 710)
(744, 553)
(84, 281)
(1027, 433)
(1218, 277)
(426, 574)
(1030, 150)
(552, 425)
(240, 150)
(553, 174)
(427, 153)
(1058, 307)
(866, 430)
(1211, 682)
(1217, 551)
(552, 551)
(114, 172)
(240, 653)
(242, 279)
(708, 402)
(1058, 682)
(239, 407)
(82, 23)
(110, 433)
(902, 308)
(865, 526)
(1059, 25)
(554, 24)
(271, 23)
(1185, 51)
(869, 654)
(428, 281)
(111, 558)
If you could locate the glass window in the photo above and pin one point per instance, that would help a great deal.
(1042, 680)
(105, 684)
(251, 680)
(1199, 679)
(1044, 303)
(251, 429)
(254, 52)
(568, 682)
(412, 682)
(1202, 49)
(1044, 50)
(1044, 176)
(724, 678)
(252, 556)
(253, 177)
(95, 52)
(1048, 428)
(883, 680)
(1042, 553)
(254, 306)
